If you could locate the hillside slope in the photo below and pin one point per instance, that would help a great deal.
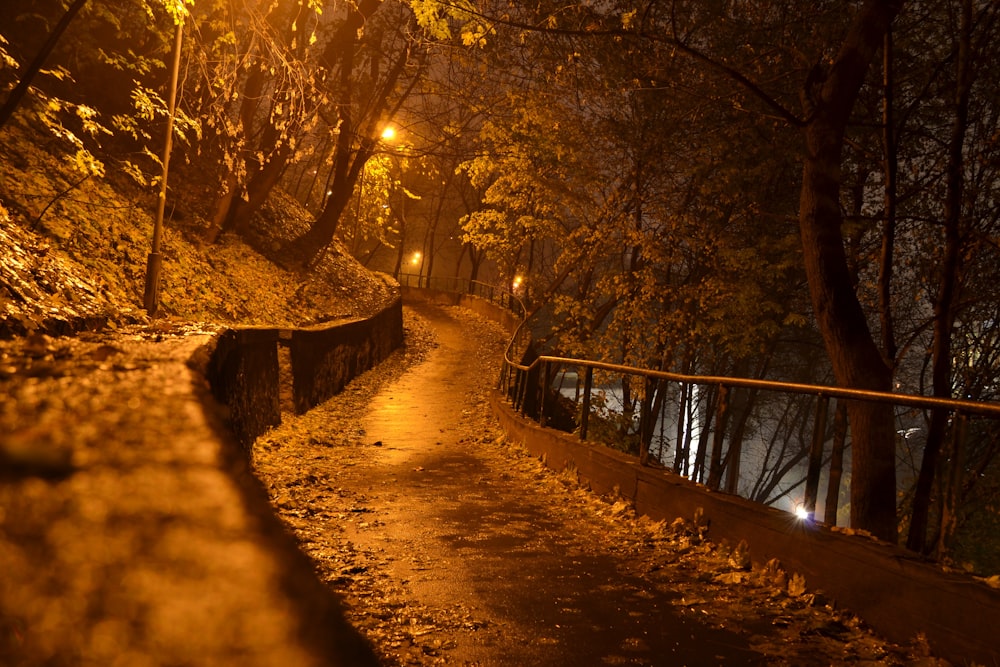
(73, 254)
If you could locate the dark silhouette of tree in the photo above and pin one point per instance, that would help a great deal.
(34, 67)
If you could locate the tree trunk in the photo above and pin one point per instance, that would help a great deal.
(698, 471)
(857, 361)
(348, 161)
(945, 304)
(718, 438)
(223, 205)
(682, 436)
(258, 189)
(890, 168)
(401, 248)
(32, 70)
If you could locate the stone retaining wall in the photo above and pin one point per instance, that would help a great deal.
(325, 359)
(243, 368)
(243, 374)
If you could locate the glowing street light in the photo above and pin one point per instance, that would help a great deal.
(389, 133)
(416, 259)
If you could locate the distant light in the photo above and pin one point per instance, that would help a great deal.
(416, 258)
(517, 281)
(389, 133)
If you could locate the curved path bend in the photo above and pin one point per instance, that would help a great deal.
(489, 540)
(485, 565)
(451, 546)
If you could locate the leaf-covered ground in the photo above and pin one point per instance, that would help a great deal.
(74, 254)
(322, 468)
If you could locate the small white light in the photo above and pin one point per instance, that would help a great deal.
(801, 512)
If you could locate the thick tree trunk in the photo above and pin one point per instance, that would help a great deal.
(856, 359)
(890, 168)
(259, 188)
(222, 207)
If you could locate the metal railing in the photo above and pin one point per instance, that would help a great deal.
(530, 387)
(516, 383)
(492, 293)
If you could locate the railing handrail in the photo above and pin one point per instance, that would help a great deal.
(913, 400)
(529, 387)
(985, 408)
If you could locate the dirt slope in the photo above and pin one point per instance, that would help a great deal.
(74, 252)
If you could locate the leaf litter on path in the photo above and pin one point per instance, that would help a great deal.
(304, 464)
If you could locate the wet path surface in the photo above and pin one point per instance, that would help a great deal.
(493, 568)
(494, 545)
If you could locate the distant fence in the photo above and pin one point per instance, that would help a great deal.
(496, 295)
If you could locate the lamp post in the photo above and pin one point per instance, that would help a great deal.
(154, 263)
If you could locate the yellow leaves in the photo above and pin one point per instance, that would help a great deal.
(88, 117)
(628, 18)
(146, 102)
(225, 38)
(134, 172)
(430, 17)
(6, 60)
(85, 163)
(475, 37)
(438, 20)
(59, 73)
(177, 9)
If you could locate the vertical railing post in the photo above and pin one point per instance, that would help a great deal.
(815, 457)
(588, 384)
(546, 375)
(522, 391)
(718, 437)
(836, 464)
(518, 381)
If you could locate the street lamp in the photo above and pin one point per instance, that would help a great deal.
(154, 263)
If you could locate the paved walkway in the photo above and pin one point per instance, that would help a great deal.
(463, 527)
